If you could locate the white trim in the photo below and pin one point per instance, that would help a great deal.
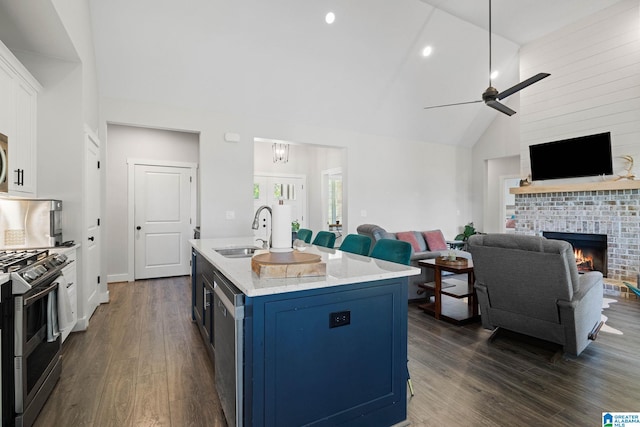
(123, 277)
(283, 175)
(163, 163)
(132, 163)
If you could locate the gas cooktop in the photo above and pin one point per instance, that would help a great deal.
(38, 273)
(11, 260)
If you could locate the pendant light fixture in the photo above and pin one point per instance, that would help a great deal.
(280, 152)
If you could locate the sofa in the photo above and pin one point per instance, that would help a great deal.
(531, 285)
(426, 244)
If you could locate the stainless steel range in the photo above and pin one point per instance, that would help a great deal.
(10, 261)
(35, 277)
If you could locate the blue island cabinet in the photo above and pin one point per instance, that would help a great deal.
(326, 357)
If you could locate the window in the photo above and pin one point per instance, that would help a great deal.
(333, 200)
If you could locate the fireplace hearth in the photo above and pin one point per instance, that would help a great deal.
(589, 249)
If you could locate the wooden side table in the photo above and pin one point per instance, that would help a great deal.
(454, 310)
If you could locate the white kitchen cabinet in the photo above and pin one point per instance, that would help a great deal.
(71, 283)
(18, 121)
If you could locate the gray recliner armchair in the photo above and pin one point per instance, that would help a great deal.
(531, 285)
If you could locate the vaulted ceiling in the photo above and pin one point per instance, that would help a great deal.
(279, 60)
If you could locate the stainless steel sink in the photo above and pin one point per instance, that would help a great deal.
(244, 252)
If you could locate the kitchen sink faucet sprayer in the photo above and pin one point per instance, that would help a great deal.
(255, 224)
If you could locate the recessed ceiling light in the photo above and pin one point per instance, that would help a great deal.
(494, 75)
(330, 18)
(426, 51)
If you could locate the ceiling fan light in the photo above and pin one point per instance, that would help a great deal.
(427, 51)
(494, 75)
(330, 18)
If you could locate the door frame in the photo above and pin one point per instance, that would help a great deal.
(131, 166)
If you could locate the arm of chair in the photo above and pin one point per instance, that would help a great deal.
(587, 281)
(582, 313)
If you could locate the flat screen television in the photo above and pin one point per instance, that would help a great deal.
(572, 158)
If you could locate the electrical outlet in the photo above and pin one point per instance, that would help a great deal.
(339, 318)
(230, 215)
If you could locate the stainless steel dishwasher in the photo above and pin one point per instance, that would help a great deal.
(228, 318)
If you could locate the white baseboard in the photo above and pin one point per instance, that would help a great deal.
(103, 297)
(111, 278)
(81, 325)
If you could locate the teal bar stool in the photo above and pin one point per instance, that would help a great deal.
(394, 251)
(305, 235)
(325, 238)
(356, 244)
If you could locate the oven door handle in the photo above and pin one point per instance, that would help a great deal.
(4, 165)
(42, 293)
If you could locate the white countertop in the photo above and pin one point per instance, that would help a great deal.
(343, 268)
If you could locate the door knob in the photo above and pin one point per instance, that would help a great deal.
(138, 228)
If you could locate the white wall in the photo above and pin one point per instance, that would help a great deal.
(594, 85)
(76, 19)
(400, 184)
(500, 141)
(127, 142)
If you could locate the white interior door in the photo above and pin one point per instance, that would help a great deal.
(268, 190)
(91, 248)
(162, 220)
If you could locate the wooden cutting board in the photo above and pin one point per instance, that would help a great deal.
(279, 265)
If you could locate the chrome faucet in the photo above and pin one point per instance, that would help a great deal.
(255, 224)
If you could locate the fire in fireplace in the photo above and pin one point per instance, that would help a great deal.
(583, 261)
(590, 250)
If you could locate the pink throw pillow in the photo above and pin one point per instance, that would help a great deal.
(435, 240)
(409, 236)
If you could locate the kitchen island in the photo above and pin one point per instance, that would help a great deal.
(326, 350)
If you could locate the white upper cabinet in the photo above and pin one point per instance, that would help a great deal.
(18, 121)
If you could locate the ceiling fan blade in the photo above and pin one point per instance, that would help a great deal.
(451, 105)
(501, 107)
(522, 85)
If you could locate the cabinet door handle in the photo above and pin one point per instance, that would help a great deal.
(21, 176)
(205, 298)
(91, 238)
(17, 181)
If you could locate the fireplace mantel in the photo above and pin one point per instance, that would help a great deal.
(622, 184)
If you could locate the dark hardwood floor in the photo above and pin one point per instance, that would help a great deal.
(142, 363)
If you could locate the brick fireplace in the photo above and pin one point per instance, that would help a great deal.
(614, 213)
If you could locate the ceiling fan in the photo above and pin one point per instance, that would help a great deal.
(491, 96)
